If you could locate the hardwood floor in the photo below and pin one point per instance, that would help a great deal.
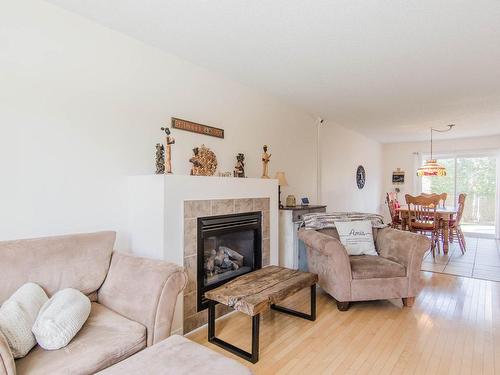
(453, 328)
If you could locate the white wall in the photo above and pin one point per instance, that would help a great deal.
(341, 152)
(81, 108)
(404, 156)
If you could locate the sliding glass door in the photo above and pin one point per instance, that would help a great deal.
(474, 175)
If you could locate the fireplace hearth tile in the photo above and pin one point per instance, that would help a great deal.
(222, 207)
(194, 209)
(261, 204)
(190, 268)
(195, 321)
(221, 310)
(243, 205)
(265, 224)
(189, 304)
(190, 236)
(266, 252)
(200, 318)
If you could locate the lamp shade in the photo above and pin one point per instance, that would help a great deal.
(431, 168)
(280, 176)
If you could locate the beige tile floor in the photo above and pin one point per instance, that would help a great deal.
(481, 260)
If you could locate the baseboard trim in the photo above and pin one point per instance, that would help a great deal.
(206, 324)
(178, 331)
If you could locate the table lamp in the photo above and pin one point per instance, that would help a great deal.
(280, 176)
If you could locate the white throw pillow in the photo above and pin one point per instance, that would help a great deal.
(357, 237)
(61, 318)
(17, 316)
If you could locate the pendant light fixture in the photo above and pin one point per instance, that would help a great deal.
(431, 166)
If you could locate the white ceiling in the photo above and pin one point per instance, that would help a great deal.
(388, 69)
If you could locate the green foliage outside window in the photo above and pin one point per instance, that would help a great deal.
(476, 178)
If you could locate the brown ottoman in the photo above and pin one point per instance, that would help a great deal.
(177, 355)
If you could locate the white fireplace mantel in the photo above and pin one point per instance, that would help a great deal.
(156, 212)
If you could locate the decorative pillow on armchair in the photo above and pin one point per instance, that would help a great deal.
(357, 237)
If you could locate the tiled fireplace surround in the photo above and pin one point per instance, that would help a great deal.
(202, 208)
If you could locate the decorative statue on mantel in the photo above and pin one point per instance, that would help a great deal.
(160, 159)
(239, 168)
(266, 157)
(169, 140)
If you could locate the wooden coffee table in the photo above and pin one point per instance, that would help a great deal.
(255, 293)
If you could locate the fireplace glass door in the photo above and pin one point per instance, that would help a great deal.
(228, 246)
(228, 255)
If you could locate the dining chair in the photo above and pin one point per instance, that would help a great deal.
(422, 217)
(393, 204)
(455, 228)
(442, 200)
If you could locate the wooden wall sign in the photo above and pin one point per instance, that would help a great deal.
(189, 126)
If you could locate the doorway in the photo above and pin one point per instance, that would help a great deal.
(476, 176)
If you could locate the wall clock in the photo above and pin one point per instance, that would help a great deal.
(360, 177)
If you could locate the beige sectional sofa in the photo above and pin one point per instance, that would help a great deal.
(133, 299)
(177, 356)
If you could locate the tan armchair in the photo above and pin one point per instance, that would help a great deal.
(395, 273)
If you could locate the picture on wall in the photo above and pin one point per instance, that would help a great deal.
(398, 177)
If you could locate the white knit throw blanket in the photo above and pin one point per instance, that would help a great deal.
(327, 220)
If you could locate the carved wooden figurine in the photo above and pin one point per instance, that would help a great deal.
(239, 168)
(160, 159)
(266, 157)
(169, 140)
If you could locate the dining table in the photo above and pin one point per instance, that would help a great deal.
(443, 214)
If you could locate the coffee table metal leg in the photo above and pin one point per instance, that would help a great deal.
(251, 357)
(255, 338)
(211, 320)
(311, 316)
(313, 302)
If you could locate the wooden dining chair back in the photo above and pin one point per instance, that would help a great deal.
(422, 210)
(455, 228)
(392, 204)
(423, 218)
(442, 197)
(461, 206)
